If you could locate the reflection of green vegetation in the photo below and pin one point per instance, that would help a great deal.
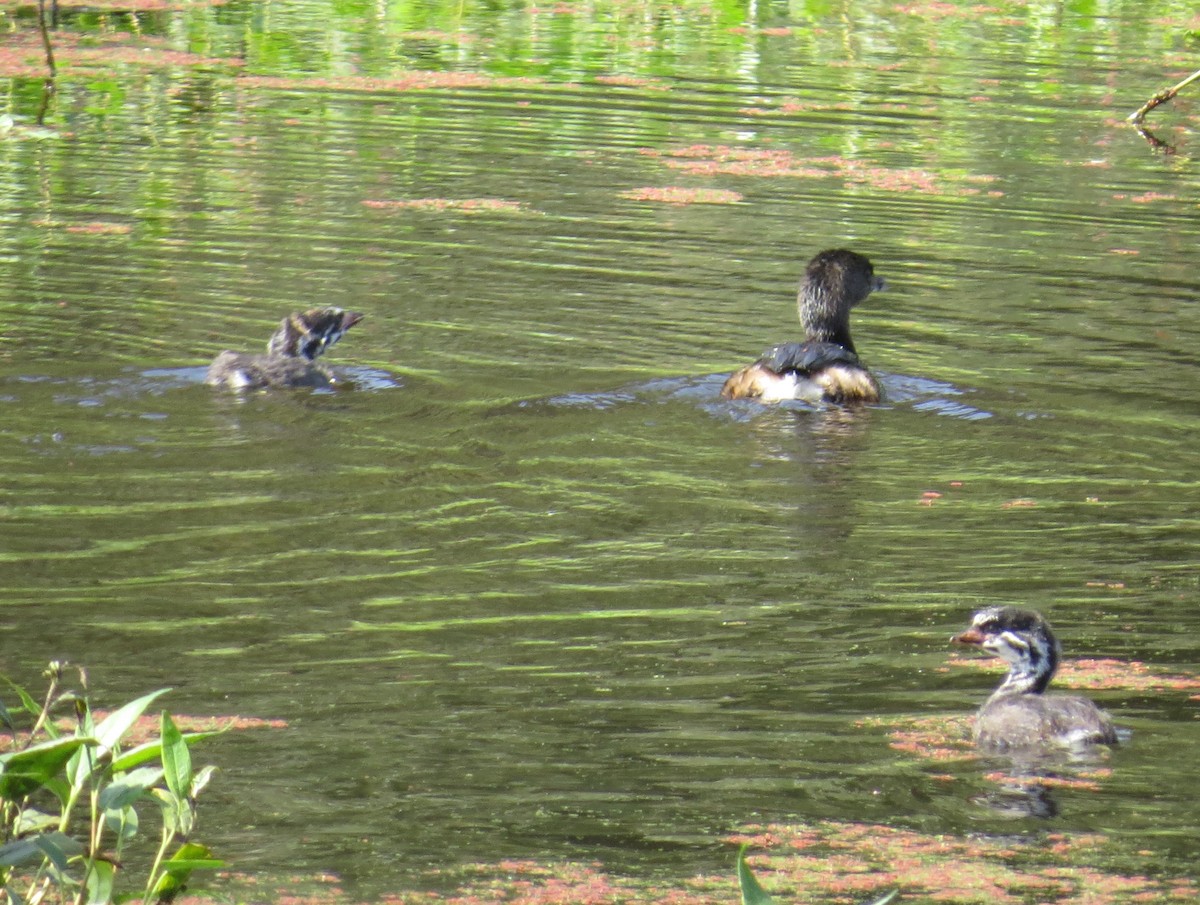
(921, 53)
(574, 39)
(930, 69)
(654, 38)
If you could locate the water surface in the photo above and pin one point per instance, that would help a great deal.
(531, 589)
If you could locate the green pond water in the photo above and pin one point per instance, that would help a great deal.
(531, 589)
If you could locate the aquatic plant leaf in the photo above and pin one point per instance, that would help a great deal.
(752, 891)
(153, 751)
(125, 790)
(176, 759)
(170, 806)
(59, 849)
(55, 846)
(100, 879)
(24, 772)
(123, 823)
(176, 869)
(27, 702)
(31, 821)
(112, 728)
(201, 779)
(59, 788)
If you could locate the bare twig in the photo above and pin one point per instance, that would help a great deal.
(1161, 98)
(45, 30)
(48, 85)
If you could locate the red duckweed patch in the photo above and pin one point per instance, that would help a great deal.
(1088, 781)
(938, 9)
(714, 160)
(100, 228)
(939, 738)
(138, 6)
(22, 55)
(1148, 197)
(827, 861)
(296, 889)
(1100, 674)
(466, 205)
(1131, 675)
(789, 107)
(631, 81)
(408, 81)
(147, 727)
(780, 31)
(1023, 503)
(554, 9)
(531, 883)
(438, 37)
(673, 194)
(857, 861)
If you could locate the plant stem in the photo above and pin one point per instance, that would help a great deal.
(95, 838)
(44, 715)
(48, 87)
(44, 29)
(167, 837)
(1162, 97)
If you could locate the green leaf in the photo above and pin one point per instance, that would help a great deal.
(185, 818)
(100, 883)
(31, 820)
(200, 780)
(126, 789)
(178, 868)
(24, 772)
(16, 853)
(752, 892)
(31, 706)
(123, 824)
(55, 846)
(112, 728)
(190, 851)
(153, 751)
(80, 767)
(177, 813)
(176, 759)
(190, 864)
(60, 788)
(59, 849)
